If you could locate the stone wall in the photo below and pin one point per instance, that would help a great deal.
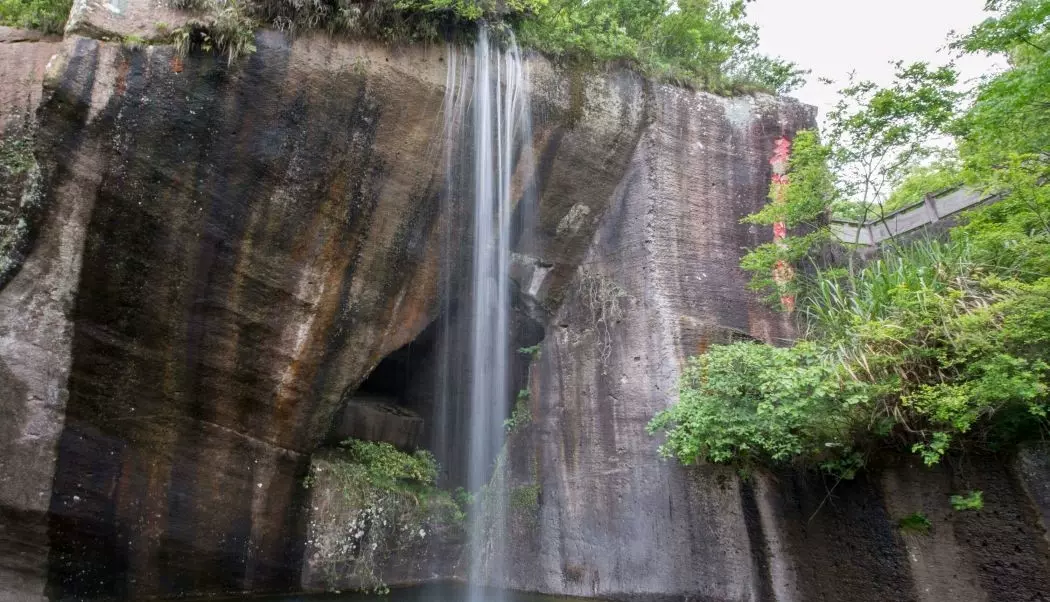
(239, 272)
(364, 537)
(659, 282)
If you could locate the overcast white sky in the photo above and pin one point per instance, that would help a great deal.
(833, 37)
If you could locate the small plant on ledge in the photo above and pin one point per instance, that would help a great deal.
(371, 500)
(915, 523)
(973, 500)
(532, 350)
(522, 414)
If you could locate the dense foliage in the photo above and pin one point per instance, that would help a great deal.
(805, 201)
(703, 43)
(878, 136)
(706, 43)
(46, 15)
(228, 27)
(919, 347)
(387, 467)
(929, 346)
(1004, 140)
(391, 20)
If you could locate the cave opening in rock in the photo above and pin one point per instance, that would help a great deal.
(393, 402)
(417, 396)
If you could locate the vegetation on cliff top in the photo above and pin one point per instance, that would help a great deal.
(44, 15)
(930, 346)
(703, 43)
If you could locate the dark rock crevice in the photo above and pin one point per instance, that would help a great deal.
(762, 579)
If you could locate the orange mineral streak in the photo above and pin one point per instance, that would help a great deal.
(783, 273)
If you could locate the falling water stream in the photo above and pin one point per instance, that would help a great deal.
(487, 132)
(500, 127)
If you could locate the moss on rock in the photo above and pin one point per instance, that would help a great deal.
(377, 518)
(21, 201)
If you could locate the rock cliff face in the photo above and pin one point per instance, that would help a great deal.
(224, 253)
(660, 282)
(34, 333)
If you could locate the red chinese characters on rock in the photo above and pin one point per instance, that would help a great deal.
(783, 273)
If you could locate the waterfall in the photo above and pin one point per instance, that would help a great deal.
(500, 130)
(447, 418)
(487, 133)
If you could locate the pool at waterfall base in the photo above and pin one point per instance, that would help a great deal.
(434, 592)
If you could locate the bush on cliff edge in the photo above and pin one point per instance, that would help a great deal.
(44, 15)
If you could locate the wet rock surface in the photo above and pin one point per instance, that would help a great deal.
(364, 537)
(231, 262)
(37, 284)
(660, 282)
(226, 252)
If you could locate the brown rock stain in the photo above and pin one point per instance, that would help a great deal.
(122, 75)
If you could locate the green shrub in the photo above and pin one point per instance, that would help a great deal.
(917, 348)
(532, 351)
(915, 523)
(927, 346)
(227, 27)
(44, 15)
(376, 501)
(521, 416)
(749, 403)
(133, 41)
(393, 21)
(973, 500)
(703, 43)
(387, 467)
(802, 205)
